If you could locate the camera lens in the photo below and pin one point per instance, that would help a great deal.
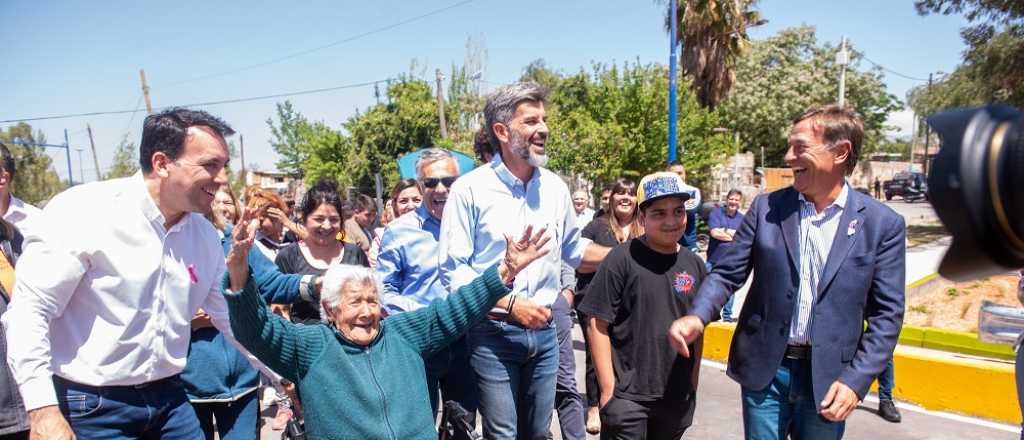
(976, 185)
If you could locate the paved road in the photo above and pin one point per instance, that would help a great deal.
(915, 213)
(718, 415)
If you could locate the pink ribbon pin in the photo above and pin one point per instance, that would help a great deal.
(192, 274)
(852, 228)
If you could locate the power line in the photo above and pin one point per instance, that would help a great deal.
(892, 71)
(202, 104)
(325, 46)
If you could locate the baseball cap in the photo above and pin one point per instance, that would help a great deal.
(660, 185)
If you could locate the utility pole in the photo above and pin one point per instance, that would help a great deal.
(95, 161)
(440, 104)
(913, 140)
(145, 91)
(241, 151)
(927, 134)
(67, 154)
(842, 59)
(736, 160)
(81, 171)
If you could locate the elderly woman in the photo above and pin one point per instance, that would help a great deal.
(361, 377)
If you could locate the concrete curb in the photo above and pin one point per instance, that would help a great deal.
(936, 381)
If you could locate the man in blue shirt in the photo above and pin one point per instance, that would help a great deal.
(514, 351)
(408, 264)
(723, 223)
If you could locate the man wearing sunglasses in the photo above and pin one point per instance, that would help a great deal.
(408, 264)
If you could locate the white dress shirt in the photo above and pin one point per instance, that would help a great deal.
(23, 216)
(489, 203)
(107, 295)
(817, 232)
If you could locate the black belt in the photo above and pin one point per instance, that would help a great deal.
(73, 384)
(798, 352)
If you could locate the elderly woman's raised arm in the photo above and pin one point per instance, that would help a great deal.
(432, 328)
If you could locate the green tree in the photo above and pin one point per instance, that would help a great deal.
(285, 139)
(713, 36)
(610, 123)
(787, 74)
(35, 180)
(126, 160)
(993, 65)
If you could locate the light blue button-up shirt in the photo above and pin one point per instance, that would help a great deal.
(489, 203)
(817, 232)
(408, 262)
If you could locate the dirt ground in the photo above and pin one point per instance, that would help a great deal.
(954, 306)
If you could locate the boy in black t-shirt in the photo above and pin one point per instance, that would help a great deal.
(647, 389)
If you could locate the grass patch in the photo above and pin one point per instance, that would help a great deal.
(952, 292)
(920, 308)
(926, 233)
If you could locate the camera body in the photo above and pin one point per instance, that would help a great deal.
(976, 185)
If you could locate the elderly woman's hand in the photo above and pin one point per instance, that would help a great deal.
(242, 238)
(519, 254)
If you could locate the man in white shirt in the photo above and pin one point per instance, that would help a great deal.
(14, 210)
(581, 203)
(98, 328)
(514, 351)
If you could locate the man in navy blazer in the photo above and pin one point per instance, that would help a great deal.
(826, 258)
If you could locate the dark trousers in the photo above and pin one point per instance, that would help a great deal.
(568, 401)
(623, 419)
(23, 435)
(151, 411)
(450, 375)
(235, 420)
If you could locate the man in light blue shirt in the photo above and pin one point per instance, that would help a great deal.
(408, 264)
(514, 351)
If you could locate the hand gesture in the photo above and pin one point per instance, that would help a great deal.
(684, 331)
(242, 238)
(530, 315)
(519, 254)
(839, 402)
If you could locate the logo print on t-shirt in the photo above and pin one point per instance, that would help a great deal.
(683, 283)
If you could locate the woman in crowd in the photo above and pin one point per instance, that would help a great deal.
(226, 210)
(270, 237)
(361, 377)
(320, 212)
(405, 197)
(619, 224)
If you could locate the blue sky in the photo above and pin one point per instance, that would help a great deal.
(69, 57)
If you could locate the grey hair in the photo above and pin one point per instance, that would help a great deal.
(501, 105)
(431, 155)
(340, 275)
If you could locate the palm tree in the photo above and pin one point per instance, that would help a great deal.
(713, 34)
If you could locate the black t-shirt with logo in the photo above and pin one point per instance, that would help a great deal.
(639, 292)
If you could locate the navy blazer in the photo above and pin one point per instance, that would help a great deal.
(863, 280)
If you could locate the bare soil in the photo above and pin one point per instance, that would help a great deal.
(954, 306)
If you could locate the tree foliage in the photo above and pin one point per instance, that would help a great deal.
(713, 36)
(993, 65)
(610, 122)
(789, 73)
(125, 161)
(35, 179)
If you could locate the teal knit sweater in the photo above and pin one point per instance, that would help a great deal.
(349, 391)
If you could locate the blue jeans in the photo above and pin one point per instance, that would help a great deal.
(727, 309)
(449, 373)
(568, 401)
(515, 369)
(155, 410)
(235, 420)
(1019, 374)
(886, 380)
(787, 405)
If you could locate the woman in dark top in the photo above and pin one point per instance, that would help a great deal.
(619, 224)
(321, 215)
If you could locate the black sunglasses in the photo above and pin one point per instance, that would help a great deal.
(431, 182)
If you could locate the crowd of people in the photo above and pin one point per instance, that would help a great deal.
(173, 301)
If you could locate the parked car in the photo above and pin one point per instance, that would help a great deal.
(906, 184)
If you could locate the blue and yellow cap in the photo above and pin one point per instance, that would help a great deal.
(662, 184)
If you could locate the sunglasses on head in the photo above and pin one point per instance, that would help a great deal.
(431, 182)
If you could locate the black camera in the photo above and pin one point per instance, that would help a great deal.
(976, 185)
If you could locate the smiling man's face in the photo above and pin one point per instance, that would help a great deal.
(815, 164)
